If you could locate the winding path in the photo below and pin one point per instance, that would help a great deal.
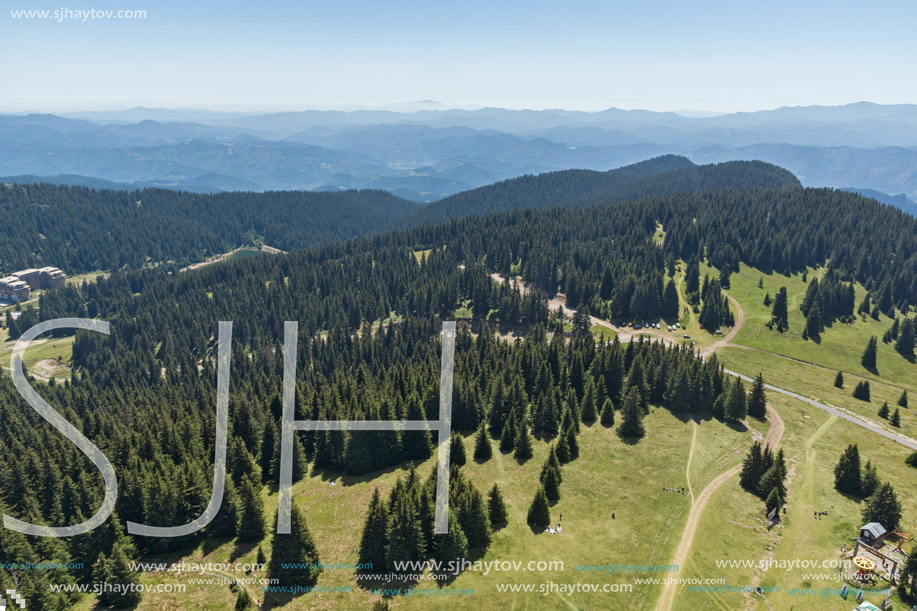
(774, 435)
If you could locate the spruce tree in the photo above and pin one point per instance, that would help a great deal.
(115, 570)
(780, 312)
(523, 445)
(896, 418)
(416, 445)
(588, 409)
(406, 538)
(883, 507)
(736, 406)
(847, 476)
(905, 343)
(474, 519)
(608, 413)
(453, 544)
(539, 515)
(752, 467)
(374, 541)
(757, 399)
(508, 437)
(457, 450)
(883, 411)
(227, 519)
(631, 416)
(572, 444)
(562, 450)
(839, 380)
(294, 558)
(496, 508)
(902, 400)
(243, 601)
(551, 462)
(552, 486)
(862, 391)
(251, 512)
(870, 481)
(482, 448)
(869, 354)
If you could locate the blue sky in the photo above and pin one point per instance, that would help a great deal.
(659, 55)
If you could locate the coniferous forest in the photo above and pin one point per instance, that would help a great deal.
(370, 313)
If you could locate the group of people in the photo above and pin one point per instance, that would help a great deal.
(818, 514)
(678, 490)
(556, 530)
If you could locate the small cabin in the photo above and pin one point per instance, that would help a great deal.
(872, 533)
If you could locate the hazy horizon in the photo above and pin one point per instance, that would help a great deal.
(584, 55)
(404, 107)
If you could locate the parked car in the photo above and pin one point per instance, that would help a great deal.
(686, 336)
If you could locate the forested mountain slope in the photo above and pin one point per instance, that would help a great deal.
(145, 394)
(80, 229)
(661, 176)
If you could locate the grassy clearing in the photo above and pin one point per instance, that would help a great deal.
(646, 528)
(818, 383)
(841, 345)
(812, 489)
(44, 358)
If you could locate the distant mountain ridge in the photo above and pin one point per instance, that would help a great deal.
(425, 152)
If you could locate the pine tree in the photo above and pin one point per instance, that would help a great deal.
(552, 486)
(632, 416)
(883, 507)
(869, 355)
(294, 549)
(251, 512)
(757, 400)
(539, 516)
(115, 570)
(523, 444)
(839, 380)
(457, 450)
(562, 450)
(482, 448)
(496, 508)
(608, 414)
(847, 477)
(883, 411)
(261, 558)
(902, 401)
(374, 541)
(896, 418)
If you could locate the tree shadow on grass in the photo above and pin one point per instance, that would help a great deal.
(240, 549)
